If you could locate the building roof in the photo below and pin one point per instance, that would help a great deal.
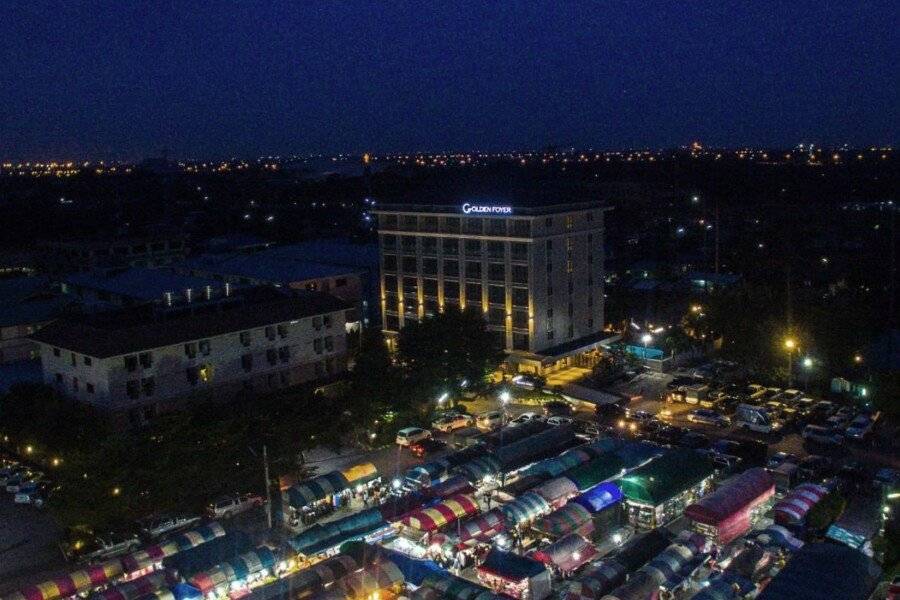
(267, 265)
(125, 332)
(28, 301)
(823, 572)
(665, 477)
(140, 283)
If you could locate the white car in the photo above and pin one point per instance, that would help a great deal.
(228, 506)
(448, 423)
(411, 435)
(154, 527)
(557, 421)
(525, 418)
(489, 421)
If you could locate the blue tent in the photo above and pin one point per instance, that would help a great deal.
(205, 556)
(599, 497)
(317, 488)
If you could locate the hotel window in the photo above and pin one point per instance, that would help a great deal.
(496, 294)
(497, 316)
(451, 268)
(284, 354)
(451, 291)
(146, 359)
(473, 248)
(190, 349)
(272, 356)
(270, 333)
(496, 226)
(473, 270)
(387, 222)
(429, 246)
(390, 283)
(390, 263)
(409, 222)
(410, 264)
(389, 243)
(471, 225)
(410, 288)
(519, 251)
(429, 266)
(520, 297)
(429, 287)
(519, 274)
(497, 272)
(520, 341)
(496, 250)
(329, 343)
(520, 319)
(392, 322)
(450, 225)
(429, 224)
(450, 246)
(520, 228)
(205, 347)
(408, 244)
(245, 338)
(473, 293)
(282, 331)
(431, 307)
(247, 362)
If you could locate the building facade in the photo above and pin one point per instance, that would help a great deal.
(140, 365)
(536, 272)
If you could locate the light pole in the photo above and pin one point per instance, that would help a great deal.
(646, 339)
(790, 344)
(808, 365)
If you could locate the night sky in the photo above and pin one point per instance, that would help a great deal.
(202, 79)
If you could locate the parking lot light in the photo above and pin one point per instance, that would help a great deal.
(505, 397)
(808, 362)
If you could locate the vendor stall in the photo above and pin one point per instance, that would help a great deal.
(237, 573)
(382, 580)
(571, 518)
(728, 512)
(824, 572)
(441, 514)
(327, 538)
(449, 487)
(777, 537)
(567, 554)
(514, 575)
(482, 528)
(361, 476)
(188, 563)
(446, 586)
(76, 582)
(659, 491)
(603, 468)
(535, 447)
(479, 469)
(557, 491)
(524, 510)
(309, 499)
(426, 474)
(307, 581)
(151, 557)
(792, 509)
(136, 588)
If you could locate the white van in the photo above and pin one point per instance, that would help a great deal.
(411, 435)
(754, 418)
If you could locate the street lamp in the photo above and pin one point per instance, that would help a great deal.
(646, 338)
(443, 398)
(505, 397)
(790, 344)
(808, 363)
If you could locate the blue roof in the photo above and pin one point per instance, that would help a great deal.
(511, 566)
(599, 497)
(141, 283)
(266, 266)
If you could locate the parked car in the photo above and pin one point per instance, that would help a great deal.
(157, 526)
(859, 428)
(491, 420)
(448, 423)
(587, 428)
(779, 458)
(639, 415)
(556, 408)
(38, 495)
(411, 435)
(426, 447)
(814, 468)
(86, 546)
(821, 435)
(11, 471)
(233, 504)
(525, 418)
(669, 435)
(557, 421)
(693, 440)
(708, 417)
(21, 478)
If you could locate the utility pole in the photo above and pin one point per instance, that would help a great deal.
(717, 235)
(268, 486)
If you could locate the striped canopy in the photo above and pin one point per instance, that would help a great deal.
(792, 509)
(482, 527)
(318, 488)
(439, 515)
(556, 491)
(306, 581)
(137, 561)
(136, 588)
(567, 553)
(524, 509)
(70, 584)
(570, 518)
(600, 579)
(373, 578)
(478, 468)
(236, 569)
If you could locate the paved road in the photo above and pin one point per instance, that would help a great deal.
(28, 539)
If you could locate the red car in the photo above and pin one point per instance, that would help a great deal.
(425, 447)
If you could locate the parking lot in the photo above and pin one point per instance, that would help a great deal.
(28, 543)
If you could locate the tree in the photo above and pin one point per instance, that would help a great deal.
(441, 352)
(376, 383)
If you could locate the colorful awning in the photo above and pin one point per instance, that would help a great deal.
(591, 473)
(137, 561)
(312, 490)
(596, 582)
(358, 474)
(373, 578)
(320, 538)
(742, 492)
(70, 584)
(525, 509)
(556, 491)
(136, 588)
(236, 569)
(306, 581)
(792, 509)
(449, 487)
(568, 553)
(439, 515)
(482, 527)
(571, 518)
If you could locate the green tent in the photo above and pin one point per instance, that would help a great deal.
(666, 477)
(599, 469)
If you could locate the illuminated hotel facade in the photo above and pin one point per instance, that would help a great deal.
(535, 271)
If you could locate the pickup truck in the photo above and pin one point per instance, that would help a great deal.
(228, 506)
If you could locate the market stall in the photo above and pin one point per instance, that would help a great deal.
(449, 487)
(481, 528)
(136, 588)
(600, 497)
(151, 557)
(477, 470)
(728, 512)
(598, 470)
(426, 474)
(76, 582)
(571, 518)
(659, 491)
(824, 572)
(309, 499)
(307, 581)
(556, 491)
(382, 580)
(777, 537)
(541, 445)
(514, 575)
(792, 509)
(237, 573)
(327, 538)
(567, 554)
(522, 484)
(441, 514)
(361, 476)
(555, 466)
(446, 586)
(524, 509)
(188, 563)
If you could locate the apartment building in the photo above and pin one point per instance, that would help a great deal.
(141, 362)
(532, 264)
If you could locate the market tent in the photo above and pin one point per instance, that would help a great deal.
(556, 491)
(824, 572)
(635, 454)
(453, 485)
(414, 570)
(666, 477)
(136, 588)
(360, 474)
(319, 538)
(481, 528)
(639, 585)
(535, 447)
(371, 579)
(552, 467)
(510, 566)
(190, 562)
(598, 580)
(478, 468)
(140, 560)
(669, 563)
(513, 490)
(596, 471)
(451, 587)
(237, 569)
(439, 515)
(82, 580)
(510, 435)
(524, 509)
(315, 489)
(567, 553)
(307, 580)
(728, 508)
(571, 518)
(792, 509)
(427, 473)
(599, 497)
(778, 537)
(397, 506)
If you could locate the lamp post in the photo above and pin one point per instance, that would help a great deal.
(808, 364)
(646, 339)
(790, 344)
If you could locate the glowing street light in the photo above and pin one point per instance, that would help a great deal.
(443, 398)
(505, 397)
(790, 343)
(646, 338)
(808, 362)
